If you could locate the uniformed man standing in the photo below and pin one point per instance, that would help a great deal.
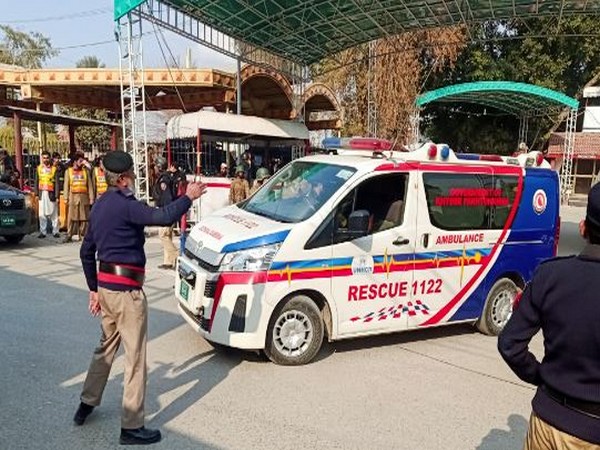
(98, 179)
(78, 193)
(262, 174)
(116, 235)
(46, 190)
(563, 301)
(240, 189)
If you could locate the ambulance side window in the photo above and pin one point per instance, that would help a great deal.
(508, 186)
(452, 200)
(383, 196)
(469, 201)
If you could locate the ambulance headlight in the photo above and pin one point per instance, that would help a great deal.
(192, 245)
(251, 260)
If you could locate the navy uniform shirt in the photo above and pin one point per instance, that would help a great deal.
(563, 300)
(116, 232)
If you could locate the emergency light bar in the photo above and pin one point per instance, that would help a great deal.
(531, 159)
(432, 152)
(358, 143)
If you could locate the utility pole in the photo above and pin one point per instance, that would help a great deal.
(371, 94)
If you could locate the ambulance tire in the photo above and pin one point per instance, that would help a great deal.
(497, 311)
(295, 332)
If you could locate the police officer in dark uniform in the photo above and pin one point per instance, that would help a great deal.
(563, 300)
(116, 235)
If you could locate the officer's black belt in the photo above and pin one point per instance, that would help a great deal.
(591, 409)
(123, 271)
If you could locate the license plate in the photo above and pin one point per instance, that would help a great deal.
(184, 290)
(8, 221)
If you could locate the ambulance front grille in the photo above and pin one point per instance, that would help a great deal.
(210, 288)
(204, 264)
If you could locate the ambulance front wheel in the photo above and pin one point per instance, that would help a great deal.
(498, 307)
(295, 333)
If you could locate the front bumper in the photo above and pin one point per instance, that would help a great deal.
(24, 222)
(226, 308)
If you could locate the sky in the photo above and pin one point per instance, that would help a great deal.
(81, 28)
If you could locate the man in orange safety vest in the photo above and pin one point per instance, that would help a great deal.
(46, 190)
(78, 194)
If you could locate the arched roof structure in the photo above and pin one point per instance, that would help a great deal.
(319, 98)
(266, 93)
(519, 99)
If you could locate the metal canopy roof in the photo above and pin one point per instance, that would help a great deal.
(305, 31)
(518, 99)
(57, 119)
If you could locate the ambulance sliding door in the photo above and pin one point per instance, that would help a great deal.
(453, 240)
(372, 275)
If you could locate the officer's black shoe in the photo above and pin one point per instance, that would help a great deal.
(41, 236)
(139, 436)
(82, 413)
(56, 235)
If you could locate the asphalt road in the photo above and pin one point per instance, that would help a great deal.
(444, 388)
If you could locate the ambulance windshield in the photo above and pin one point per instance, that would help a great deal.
(297, 191)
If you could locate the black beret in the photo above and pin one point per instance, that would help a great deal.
(117, 161)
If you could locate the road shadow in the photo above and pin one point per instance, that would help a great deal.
(47, 340)
(201, 373)
(397, 338)
(503, 439)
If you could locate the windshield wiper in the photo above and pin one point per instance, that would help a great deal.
(269, 216)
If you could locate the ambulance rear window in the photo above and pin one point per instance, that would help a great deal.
(469, 201)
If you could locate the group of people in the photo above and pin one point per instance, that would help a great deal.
(79, 183)
(246, 181)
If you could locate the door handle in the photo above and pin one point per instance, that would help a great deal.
(401, 241)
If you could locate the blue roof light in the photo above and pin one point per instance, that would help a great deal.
(332, 142)
(445, 152)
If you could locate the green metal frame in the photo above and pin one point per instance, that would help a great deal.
(519, 99)
(306, 31)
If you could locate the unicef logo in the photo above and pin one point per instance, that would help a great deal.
(540, 201)
(362, 265)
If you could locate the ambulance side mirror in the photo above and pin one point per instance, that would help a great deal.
(358, 223)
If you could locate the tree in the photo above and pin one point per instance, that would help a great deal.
(399, 69)
(90, 138)
(29, 50)
(559, 55)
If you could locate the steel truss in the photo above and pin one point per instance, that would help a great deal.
(163, 14)
(566, 174)
(133, 98)
(523, 128)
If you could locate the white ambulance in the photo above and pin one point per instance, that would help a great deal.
(369, 241)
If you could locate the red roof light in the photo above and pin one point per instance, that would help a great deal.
(370, 144)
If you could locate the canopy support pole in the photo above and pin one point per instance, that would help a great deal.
(18, 145)
(72, 145)
(566, 176)
(238, 88)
